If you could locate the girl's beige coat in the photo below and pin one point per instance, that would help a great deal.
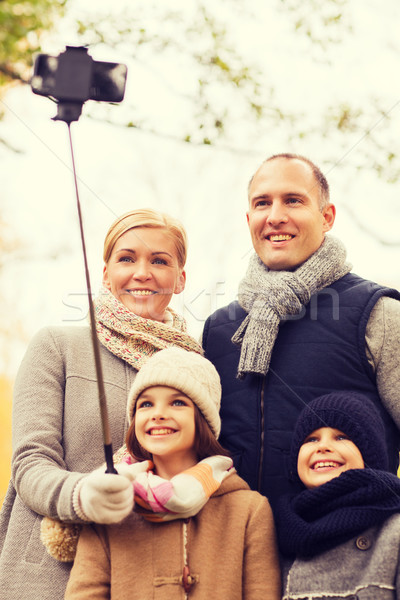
(230, 544)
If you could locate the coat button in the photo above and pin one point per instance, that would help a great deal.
(363, 543)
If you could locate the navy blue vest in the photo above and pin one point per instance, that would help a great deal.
(319, 351)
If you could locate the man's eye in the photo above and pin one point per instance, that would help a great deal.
(260, 203)
(293, 200)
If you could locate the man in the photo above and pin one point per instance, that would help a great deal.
(304, 326)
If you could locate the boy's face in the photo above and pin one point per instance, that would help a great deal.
(325, 454)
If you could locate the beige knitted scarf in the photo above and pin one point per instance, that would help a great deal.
(133, 338)
(270, 297)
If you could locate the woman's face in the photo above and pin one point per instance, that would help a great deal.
(143, 272)
(325, 454)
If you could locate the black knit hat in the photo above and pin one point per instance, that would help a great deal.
(352, 413)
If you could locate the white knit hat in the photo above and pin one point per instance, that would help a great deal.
(187, 372)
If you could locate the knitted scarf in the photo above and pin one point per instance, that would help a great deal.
(133, 338)
(270, 297)
(181, 497)
(324, 517)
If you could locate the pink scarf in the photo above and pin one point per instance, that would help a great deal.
(181, 497)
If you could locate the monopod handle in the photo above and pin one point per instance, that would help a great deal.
(109, 459)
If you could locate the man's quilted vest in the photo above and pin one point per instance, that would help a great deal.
(319, 351)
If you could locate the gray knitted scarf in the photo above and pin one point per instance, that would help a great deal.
(270, 297)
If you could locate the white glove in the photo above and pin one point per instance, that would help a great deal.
(105, 497)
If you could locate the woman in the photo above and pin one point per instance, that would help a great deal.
(57, 435)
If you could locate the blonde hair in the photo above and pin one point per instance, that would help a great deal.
(146, 217)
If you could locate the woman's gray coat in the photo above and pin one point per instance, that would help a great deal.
(366, 567)
(57, 436)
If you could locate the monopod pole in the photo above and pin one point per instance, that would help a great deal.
(95, 341)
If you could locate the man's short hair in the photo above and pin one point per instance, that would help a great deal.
(318, 175)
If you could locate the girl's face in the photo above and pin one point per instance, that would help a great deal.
(325, 454)
(165, 427)
(143, 272)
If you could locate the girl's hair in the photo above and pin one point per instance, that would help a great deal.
(146, 217)
(205, 443)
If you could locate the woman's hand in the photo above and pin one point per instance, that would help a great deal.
(105, 497)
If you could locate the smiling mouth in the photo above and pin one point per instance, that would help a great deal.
(279, 237)
(325, 464)
(163, 431)
(141, 292)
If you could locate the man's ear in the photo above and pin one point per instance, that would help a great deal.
(106, 281)
(329, 214)
(180, 283)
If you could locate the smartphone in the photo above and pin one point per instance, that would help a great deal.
(73, 76)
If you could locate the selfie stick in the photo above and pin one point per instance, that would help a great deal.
(95, 340)
(70, 79)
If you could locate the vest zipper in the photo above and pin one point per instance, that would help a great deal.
(260, 467)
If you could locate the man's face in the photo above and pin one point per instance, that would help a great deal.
(285, 220)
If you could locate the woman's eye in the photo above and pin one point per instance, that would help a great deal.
(159, 261)
(126, 259)
(310, 439)
(342, 436)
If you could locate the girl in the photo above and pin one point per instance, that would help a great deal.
(197, 530)
(57, 436)
(341, 535)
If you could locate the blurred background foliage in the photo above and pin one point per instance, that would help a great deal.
(22, 22)
(220, 80)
